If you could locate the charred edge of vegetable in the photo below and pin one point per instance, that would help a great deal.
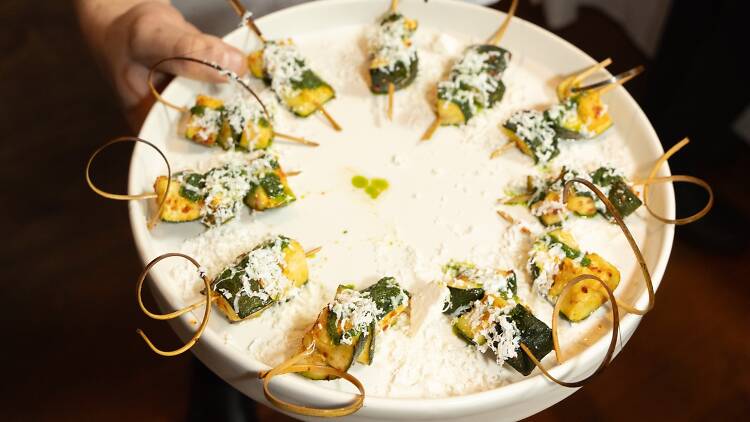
(401, 76)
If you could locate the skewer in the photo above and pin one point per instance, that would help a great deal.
(146, 195)
(229, 74)
(431, 130)
(210, 298)
(328, 117)
(495, 39)
(590, 71)
(500, 151)
(610, 83)
(391, 90)
(394, 6)
(246, 17)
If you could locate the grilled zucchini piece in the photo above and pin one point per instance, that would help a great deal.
(327, 352)
(535, 334)
(257, 135)
(532, 332)
(232, 285)
(202, 123)
(460, 300)
(365, 349)
(581, 204)
(177, 206)
(272, 191)
(533, 134)
(620, 194)
(300, 89)
(338, 346)
(550, 217)
(394, 59)
(474, 84)
(586, 296)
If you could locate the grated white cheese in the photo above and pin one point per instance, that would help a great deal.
(391, 44)
(285, 65)
(354, 311)
(546, 257)
(491, 323)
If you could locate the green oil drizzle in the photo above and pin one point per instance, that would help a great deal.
(372, 187)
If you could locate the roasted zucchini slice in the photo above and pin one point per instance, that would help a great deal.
(327, 352)
(245, 126)
(394, 59)
(556, 259)
(617, 190)
(282, 66)
(491, 319)
(586, 296)
(180, 204)
(475, 83)
(271, 191)
(467, 284)
(533, 134)
(202, 123)
(260, 278)
(346, 328)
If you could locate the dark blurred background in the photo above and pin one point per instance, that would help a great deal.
(68, 262)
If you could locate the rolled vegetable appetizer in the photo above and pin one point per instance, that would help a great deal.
(488, 315)
(475, 83)
(217, 196)
(555, 259)
(580, 116)
(534, 135)
(236, 124)
(268, 274)
(346, 328)
(394, 58)
(544, 196)
(282, 66)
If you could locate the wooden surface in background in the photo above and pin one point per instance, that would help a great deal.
(70, 351)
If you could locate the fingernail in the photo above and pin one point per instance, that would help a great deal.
(235, 61)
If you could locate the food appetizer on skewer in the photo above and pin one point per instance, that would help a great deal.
(580, 114)
(214, 197)
(343, 333)
(241, 123)
(270, 273)
(488, 314)
(543, 196)
(475, 82)
(393, 60)
(555, 259)
(281, 65)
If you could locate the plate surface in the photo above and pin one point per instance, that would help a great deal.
(420, 177)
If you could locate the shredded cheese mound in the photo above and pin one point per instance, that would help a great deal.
(266, 265)
(537, 131)
(391, 44)
(470, 83)
(285, 66)
(354, 311)
(491, 324)
(241, 112)
(209, 123)
(492, 281)
(545, 259)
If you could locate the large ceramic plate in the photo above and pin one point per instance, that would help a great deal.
(422, 176)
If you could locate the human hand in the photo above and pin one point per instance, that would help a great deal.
(129, 36)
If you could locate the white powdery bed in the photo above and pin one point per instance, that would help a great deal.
(440, 206)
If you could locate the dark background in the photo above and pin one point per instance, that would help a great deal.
(68, 261)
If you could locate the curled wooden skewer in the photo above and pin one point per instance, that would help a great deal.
(291, 366)
(558, 352)
(210, 297)
(629, 236)
(224, 72)
(498, 36)
(652, 179)
(120, 197)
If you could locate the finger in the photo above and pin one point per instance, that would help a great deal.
(156, 36)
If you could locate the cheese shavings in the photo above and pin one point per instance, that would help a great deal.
(355, 311)
(285, 66)
(494, 330)
(392, 44)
